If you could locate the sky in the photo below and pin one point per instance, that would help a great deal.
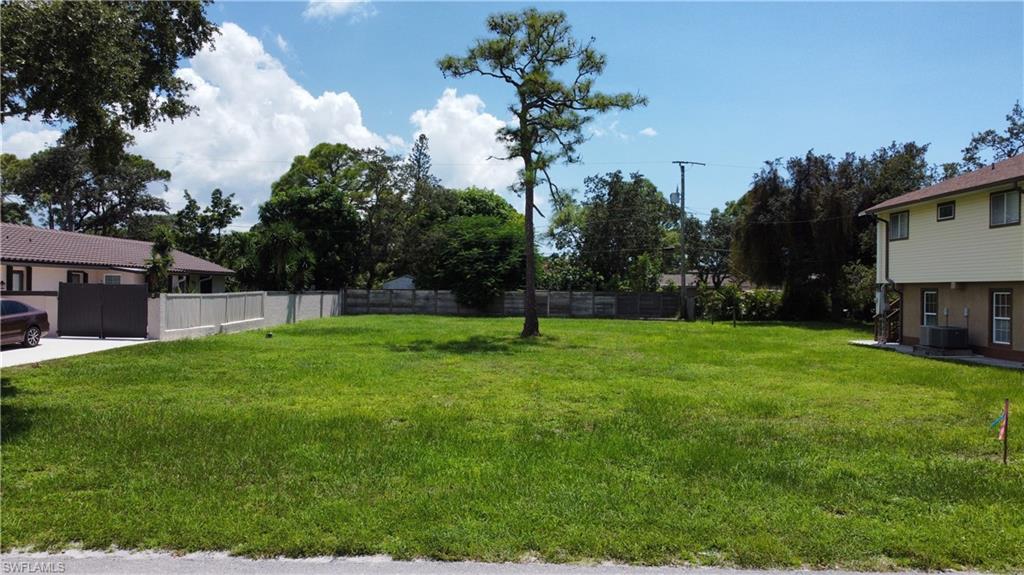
(729, 84)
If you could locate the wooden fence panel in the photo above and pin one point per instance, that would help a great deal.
(649, 305)
(402, 300)
(627, 305)
(357, 301)
(558, 303)
(554, 304)
(446, 304)
(604, 305)
(425, 301)
(380, 301)
(581, 304)
(513, 304)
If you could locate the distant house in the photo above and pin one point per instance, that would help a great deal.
(952, 255)
(693, 279)
(401, 282)
(38, 260)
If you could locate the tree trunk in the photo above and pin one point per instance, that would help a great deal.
(531, 325)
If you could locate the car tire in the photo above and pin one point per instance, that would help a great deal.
(32, 336)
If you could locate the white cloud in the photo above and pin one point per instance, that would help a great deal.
(462, 138)
(24, 138)
(355, 10)
(649, 132)
(611, 129)
(282, 44)
(253, 119)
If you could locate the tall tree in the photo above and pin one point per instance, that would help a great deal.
(221, 211)
(12, 212)
(419, 164)
(100, 68)
(160, 262)
(991, 146)
(797, 226)
(55, 183)
(531, 51)
(199, 229)
(623, 232)
(124, 195)
(315, 198)
(711, 253)
(379, 200)
(477, 251)
(59, 184)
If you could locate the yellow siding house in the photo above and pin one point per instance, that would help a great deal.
(952, 254)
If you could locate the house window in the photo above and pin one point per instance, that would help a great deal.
(17, 281)
(945, 211)
(205, 284)
(1004, 208)
(1002, 317)
(929, 307)
(899, 226)
(112, 279)
(76, 277)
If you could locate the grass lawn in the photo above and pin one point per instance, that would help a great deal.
(644, 442)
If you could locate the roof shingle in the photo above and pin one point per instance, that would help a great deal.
(41, 245)
(1002, 172)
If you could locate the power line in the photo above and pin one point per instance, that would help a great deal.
(486, 162)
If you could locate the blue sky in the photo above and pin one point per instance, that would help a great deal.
(730, 84)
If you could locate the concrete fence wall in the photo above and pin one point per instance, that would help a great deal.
(284, 307)
(176, 316)
(549, 303)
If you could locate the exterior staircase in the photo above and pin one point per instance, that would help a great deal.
(889, 323)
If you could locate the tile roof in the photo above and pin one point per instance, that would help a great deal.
(998, 173)
(41, 245)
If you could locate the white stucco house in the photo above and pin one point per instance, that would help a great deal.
(34, 260)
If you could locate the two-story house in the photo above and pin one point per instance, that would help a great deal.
(952, 254)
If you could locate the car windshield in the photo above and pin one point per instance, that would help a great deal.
(9, 307)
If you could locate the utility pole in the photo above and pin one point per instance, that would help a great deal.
(682, 235)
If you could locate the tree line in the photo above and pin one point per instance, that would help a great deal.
(341, 216)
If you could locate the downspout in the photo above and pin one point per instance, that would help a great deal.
(883, 305)
(880, 219)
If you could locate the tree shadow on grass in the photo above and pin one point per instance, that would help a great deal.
(325, 331)
(14, 420)
(808, 325)
(475, 344)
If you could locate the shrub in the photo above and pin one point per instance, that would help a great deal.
(754, 305)
(760, 304)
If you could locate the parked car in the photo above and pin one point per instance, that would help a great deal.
(22, 323)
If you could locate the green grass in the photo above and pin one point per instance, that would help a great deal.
(644, 442)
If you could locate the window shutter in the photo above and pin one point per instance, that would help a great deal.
(85, 277)
(28, 278)
(69, 276)
(10, 278)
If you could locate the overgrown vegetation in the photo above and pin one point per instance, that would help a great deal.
(646, 442)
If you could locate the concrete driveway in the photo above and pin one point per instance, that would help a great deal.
(58, 347)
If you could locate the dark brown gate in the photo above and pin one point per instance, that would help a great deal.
(100, 310)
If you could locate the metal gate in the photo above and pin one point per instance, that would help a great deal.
(102, 310)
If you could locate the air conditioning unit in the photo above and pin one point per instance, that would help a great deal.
(944, 337)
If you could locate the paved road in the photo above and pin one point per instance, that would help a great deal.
(57, 347)
(153, 563)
